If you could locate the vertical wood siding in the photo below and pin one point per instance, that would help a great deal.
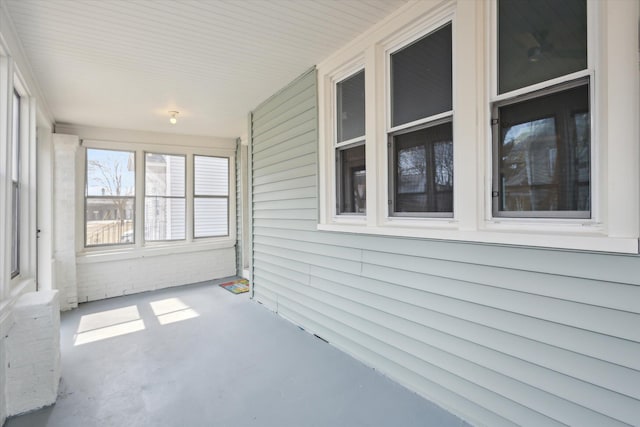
(499, 335)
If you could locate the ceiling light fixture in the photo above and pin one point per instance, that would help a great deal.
(173, 119)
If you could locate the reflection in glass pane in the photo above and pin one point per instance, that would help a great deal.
(421, 78)
(540, 40)
(110, 173)
(211, 217)
(164, 218)
(109, 220)
(352, 180)
(350, 108)
(424, 170)
(211, 176)
(164, 175)
(544, 153)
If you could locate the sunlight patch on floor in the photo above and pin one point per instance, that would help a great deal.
(108, 324)
(172, 310)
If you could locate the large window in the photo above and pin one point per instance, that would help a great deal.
(15, 187)
(420, 132)
(165, 198)
(351, 194)
(210, 196)
(542, 135)
(109, 197)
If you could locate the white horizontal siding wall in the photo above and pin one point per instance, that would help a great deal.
(499, 335)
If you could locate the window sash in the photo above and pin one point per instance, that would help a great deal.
(200, 194)
(339, 173)
(496, 140)
(392, 169)
(110, 229)
(15, 185)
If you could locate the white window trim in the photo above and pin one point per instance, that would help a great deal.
(615, 177)
(530, 223)
(141, 248)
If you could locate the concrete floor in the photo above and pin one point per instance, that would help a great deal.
(200, 356)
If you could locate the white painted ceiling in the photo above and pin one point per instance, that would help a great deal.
(125, 64)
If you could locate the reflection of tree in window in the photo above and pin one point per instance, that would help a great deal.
(544, 153)
(424, 170)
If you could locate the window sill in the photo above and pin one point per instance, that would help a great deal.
(18, 287)
(106, 255)
(562, 236)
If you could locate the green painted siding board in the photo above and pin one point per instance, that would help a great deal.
(401, 346)
(302, 101)
(297, 151)
(594, 292)
(294, 162)
(438, 328)
(501, 334)
(299, 172)
(301, 193)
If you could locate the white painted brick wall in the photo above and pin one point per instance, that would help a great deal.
(33, 353)
(106, 279)
(5, 324)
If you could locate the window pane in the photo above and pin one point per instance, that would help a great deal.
(424, 170)
(352, 183)
(211, 176)
(544, 153)
(421, 78)
(539, 40)
(164, 175)
(350, 108)
(211, 217)
(15, 229)
(15, 139)
(110, 173)
(15, 187)
(165, 218)
(109, 220)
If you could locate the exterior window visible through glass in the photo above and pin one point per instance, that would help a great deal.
(350, 157)
(352, 194)
(15, 187)
(544, 154)
(109, 197)
(211, 196)
(540, 40)
(423, 171)
(164, 201)
(421, 76)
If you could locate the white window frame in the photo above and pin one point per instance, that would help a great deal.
(144, 215)
(433, 120)
(201, 196)
(614, 83)
(343, 72)
(351, 71)
(140, 247)
(532, 92)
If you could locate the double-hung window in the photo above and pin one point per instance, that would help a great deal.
(109, 197)
(164, 197)
(420, 131)
(541, 114)
(351, 195)
(15, 187)
(210, 196)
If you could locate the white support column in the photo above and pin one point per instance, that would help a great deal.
(64, 219)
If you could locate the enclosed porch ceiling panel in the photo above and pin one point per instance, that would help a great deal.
(124, 64)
